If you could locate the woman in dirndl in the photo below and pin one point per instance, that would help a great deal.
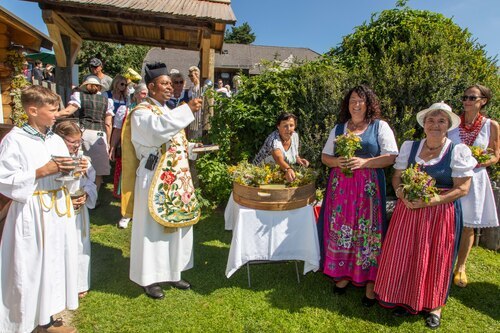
(353, 211)
(422, 240)
(478, 207)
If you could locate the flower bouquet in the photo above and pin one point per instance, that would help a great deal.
(245, 173)
(345, 146)
(481, 155)
(417, 184)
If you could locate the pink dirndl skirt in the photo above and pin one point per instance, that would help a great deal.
(352, 231)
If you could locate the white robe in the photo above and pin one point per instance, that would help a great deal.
(38, 253)
(87, 183)
(156, 256)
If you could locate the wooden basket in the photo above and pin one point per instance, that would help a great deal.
(274, 199)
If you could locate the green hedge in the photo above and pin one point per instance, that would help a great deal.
(411, 59)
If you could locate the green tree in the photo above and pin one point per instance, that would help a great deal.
(240, 35)
(413, 58)
(116, 58)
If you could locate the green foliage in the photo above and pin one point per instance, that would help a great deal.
(240, 35)
(215, 182)
(312, 91)
(413, 58)
(115, 57)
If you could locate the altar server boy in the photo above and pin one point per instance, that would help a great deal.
(38, 254)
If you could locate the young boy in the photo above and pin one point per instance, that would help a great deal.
(38, 254)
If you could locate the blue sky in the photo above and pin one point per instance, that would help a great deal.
(321, 24)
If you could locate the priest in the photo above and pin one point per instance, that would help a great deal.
(157, 189)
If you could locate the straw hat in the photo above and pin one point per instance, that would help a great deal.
(455, 120)
(91, 79)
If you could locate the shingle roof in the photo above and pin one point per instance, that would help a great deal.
(232, 56)
(249, 56)
(212, 9)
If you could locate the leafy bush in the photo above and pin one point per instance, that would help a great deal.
(411, 58)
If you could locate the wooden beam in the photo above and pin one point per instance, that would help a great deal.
(205, 54)
(57, 28)
(183, 45)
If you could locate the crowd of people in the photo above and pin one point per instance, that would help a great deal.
(45, 247)
(407, 264)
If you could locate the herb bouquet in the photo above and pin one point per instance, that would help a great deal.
(481, 155)
(417, 184)
(245, 173)
(345, 146)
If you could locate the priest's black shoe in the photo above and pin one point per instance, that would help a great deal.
(181, 284)
(368, 302)
(154, 291)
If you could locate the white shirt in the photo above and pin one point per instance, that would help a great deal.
(462, 162)
(385, 139)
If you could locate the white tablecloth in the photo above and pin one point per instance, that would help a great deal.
(271, 235)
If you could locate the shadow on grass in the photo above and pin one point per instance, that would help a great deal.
(480, 296)
(110, 271)
(278, 280)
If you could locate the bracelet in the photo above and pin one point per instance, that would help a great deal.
(287, 169)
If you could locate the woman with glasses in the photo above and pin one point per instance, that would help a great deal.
(180, 95)
(353, 212)
(478, 206)
(84, 198)
(121, 101)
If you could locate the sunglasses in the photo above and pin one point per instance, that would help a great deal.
(470, 98)
(178, 82)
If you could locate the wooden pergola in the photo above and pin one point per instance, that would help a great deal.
(182, 24)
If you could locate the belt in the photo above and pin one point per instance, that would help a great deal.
(53, 200)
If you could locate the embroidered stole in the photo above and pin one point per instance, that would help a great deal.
(171, 199)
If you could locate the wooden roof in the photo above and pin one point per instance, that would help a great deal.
(22, 33)
(164, 23)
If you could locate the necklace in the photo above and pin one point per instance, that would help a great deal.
(434, 148)
(469, 133)
(358, 126)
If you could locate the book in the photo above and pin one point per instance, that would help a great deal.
(205, 148)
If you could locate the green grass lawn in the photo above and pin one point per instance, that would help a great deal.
(275, 303)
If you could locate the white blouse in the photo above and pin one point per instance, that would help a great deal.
(462, 162)
(385, 139)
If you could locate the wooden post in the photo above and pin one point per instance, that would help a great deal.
(67, 43)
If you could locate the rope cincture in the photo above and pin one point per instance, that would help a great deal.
(53, 203)
(53, 200)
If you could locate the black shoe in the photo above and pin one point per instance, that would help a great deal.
(154, 291)
(181, 284)
(433, 321)
(400, 312)
(368, 302)
(337, 290)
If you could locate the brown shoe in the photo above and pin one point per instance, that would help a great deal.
(56, 329)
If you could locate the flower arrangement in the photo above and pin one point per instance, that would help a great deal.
(345, 146)
(16, 59)
(417, 184)
(248, 174)
(481, 155)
